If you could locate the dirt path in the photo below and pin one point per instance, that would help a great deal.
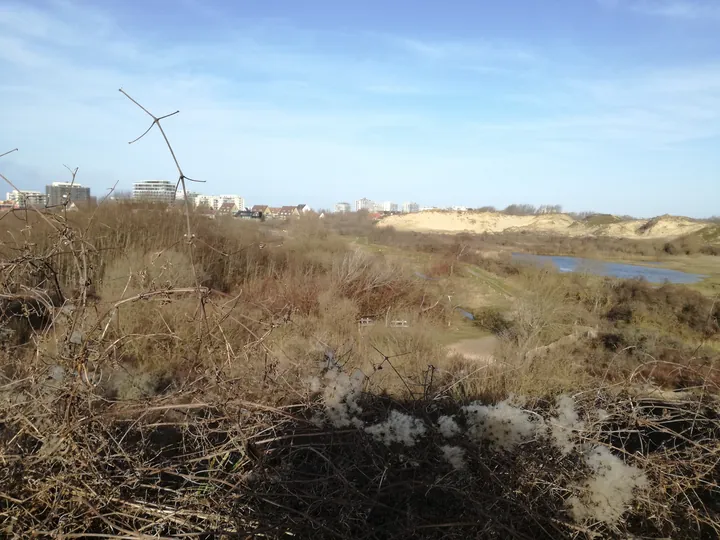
(478, 349)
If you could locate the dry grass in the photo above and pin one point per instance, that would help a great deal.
(156, 385)
(205, 463)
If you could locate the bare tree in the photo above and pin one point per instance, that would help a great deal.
(549, 209)
(520, 210)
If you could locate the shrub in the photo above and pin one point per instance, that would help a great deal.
(667, 306)
(493, 320)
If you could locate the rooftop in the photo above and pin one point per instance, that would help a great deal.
(66, 184)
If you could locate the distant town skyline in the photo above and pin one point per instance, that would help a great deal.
(165, 191)
(604, 105)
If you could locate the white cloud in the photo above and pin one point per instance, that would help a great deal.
(681, 9)
(674, 9)
(467, 53)
(396, 89)
(649, 109)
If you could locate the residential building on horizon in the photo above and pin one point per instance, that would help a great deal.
(410, 207)
(280, 212)
(387, 206)
(287, 212)
(364, 204)
(342, 207)
(217, 201)
(25, 199)
(191, 196)
(58, 193)
(161, 191)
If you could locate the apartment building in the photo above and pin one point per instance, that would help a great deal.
(25, 199)
(364, 204)
(410, 207)
(160, 191)
(217, 201)
(58, 193)
(191, 197)
(387, 206)
(342, 207)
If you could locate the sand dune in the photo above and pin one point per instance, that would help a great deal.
(494, 222)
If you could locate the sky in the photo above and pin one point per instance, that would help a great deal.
(597, 105)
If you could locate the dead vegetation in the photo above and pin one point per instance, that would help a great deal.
(183, 467)
(150, 412)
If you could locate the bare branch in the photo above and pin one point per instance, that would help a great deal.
(9, 152)
(136, 103)
(72, 171)
(181, 180)
(156, 120)
(145, 133)
(168, 115)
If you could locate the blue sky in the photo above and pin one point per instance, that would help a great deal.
(605, 105)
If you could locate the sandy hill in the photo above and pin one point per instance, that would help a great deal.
(494, 222)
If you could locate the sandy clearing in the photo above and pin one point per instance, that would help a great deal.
(476, 349)
(563, 224)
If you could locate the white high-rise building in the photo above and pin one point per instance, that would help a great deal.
(24, 199)
(387, 206)
(236, 200)
(204, 200)
(160, 191)
(342, 207)
(191, 196)
(410, 207)
(364, 204)
(58, 193)
(216, 201)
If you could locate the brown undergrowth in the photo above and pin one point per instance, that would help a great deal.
(132, 408)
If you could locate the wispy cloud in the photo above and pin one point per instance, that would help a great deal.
(390, 89)
(682, 9)
(655, 108)
(696, 10)
(467, 53)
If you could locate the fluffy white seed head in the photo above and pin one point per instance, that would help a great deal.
(503, 425)
(606, 495)
(563, 426)
(455, 456)
(398, 428)
(340, 395)
(448, 427)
